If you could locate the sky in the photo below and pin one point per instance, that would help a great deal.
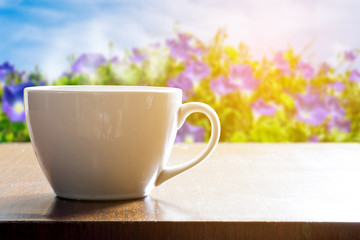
(45, 33)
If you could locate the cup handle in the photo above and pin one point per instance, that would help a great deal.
(184, 111)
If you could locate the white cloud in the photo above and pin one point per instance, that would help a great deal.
(90, 36)
(264, 25)
(9, 3)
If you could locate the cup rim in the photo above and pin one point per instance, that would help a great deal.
(103, 88)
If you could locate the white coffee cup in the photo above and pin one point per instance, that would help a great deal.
(109, 142)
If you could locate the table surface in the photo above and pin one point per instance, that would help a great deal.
(297, 185)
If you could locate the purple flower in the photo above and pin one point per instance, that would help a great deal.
(115, 60)
(340, 124)
(261, 108)
(310, 109)
(350, 56)
(337, 113)
(314, 139)
(337, 86)
(88, 63)
(137, 56)
(196, 70)
(243, 77)
(189, 133)
(306, 70)
(67, 74)
(222, 86)
(181, 48)
(334, 108)
(354, 76)
(13, 101)
(184, 83)
(282, 64)
(5, 69)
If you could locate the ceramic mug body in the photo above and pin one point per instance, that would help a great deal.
(102, 142)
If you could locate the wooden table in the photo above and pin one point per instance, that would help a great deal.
(243, 191)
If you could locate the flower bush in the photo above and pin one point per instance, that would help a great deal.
(12, 115)
(278, 99)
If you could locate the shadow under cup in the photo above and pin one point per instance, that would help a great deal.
(102, 142)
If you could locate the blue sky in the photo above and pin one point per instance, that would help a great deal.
(44, 32)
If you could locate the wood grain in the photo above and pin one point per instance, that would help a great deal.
(247, 191)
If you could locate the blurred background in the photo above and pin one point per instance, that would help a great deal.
(275, 71)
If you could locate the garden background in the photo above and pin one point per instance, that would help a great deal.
(282, 95)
